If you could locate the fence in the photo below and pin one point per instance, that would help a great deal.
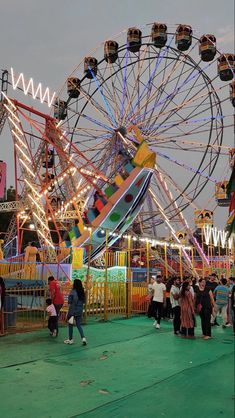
(25, 306)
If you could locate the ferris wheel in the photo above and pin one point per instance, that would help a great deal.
(169, 85)
(161, 87)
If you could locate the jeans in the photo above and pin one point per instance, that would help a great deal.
(78, 325)
(176, 320)
(221, 309)
(57, 308)
(157, 308)
(205, 315)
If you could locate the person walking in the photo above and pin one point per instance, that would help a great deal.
(204, 306)
(211, 284)
(221, 294)
(52, 317)
(57, 298)
(187, 311)
(174, 299)
(76, 301)
(159, 291)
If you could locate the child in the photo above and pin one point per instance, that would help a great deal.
(52, 317)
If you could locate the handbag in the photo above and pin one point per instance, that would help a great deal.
(71, 320)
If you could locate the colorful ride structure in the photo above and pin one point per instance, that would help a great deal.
(131, 145)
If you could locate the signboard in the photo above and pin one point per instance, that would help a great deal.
(115, 274)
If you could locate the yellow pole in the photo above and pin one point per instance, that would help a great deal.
(128, 281)
(88, 278)
(203, 263)
(166, 262)
(106, 277)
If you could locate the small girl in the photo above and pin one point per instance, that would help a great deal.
(52, 317)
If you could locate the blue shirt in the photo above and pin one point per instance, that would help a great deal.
(221, 295)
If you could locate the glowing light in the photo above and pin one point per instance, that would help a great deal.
(41, 222)
(22, 152)
(11, 112)
(207, 233)
(19, 139)
(32, 188)
(26, 167)
(9, 101)
(216, 235)
(45, 239)
(16, 126)
(36, 91)
(36, 203)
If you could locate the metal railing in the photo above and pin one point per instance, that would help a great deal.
(24, 307)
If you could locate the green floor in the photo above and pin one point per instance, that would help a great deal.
(128, 369)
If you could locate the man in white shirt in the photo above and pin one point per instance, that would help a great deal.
(174, 298)
(159, 297)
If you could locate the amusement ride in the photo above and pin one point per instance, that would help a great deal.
(129, 147)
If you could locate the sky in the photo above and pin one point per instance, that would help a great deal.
(46, 40)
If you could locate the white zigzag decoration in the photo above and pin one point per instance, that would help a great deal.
(30, 88)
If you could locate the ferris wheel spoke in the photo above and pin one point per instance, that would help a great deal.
(135, 84)
(170, 78)
(147, 85)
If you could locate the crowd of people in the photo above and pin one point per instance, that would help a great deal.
(172, 299)
(182, 300)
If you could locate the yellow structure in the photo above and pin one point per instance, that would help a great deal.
(1, 251)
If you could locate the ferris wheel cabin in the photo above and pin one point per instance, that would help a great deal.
(159, 34)
(60, 109)
(134, 39)
(73, 87)
(232, 93)
(220, 193)
(226, 67)
(90, 67)
(110, 51)
(183, 37)
(207, 47)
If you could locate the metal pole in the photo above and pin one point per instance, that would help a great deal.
(181, 270)
(166, 263)
(106, 277)
(88, 278)
(128, 281)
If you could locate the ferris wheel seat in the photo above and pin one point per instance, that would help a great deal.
(110, 190)
(92, 214)
(99, 205)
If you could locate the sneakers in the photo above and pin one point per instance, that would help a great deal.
(84, 342)
(157, 326)
(228, 325)
(155, 323)
(68, 342)
(54, 334)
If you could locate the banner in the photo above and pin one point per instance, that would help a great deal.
(3, 170)
(115, 274)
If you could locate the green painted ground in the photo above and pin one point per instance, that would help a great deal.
(128, 369)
